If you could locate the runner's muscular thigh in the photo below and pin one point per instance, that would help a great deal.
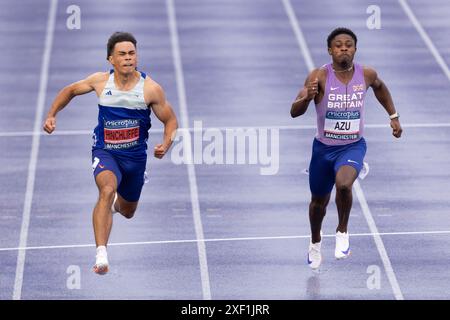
(346, 175)
(106, 178)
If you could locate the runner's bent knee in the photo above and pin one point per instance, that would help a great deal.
(319, 204)
(107, 192)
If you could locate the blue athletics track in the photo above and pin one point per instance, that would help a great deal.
(224, 229)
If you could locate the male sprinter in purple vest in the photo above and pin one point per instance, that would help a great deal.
(119, 153)
(338, 90)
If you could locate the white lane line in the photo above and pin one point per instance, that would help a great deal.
(34, 150)
(159, 130)
(425, 37)
(298, 34)
(201, 247)
(360, 194)
(379, 243)
(121, 244)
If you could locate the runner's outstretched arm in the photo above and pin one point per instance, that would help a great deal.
(383, 95)
(306, 94)
(165, 114)
(65, 95)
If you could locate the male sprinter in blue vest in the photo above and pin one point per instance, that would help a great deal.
(119, 153)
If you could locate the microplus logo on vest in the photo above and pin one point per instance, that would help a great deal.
(229, 146)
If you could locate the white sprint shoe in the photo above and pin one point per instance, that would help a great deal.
(101, 261)
(342, 249)
(314, 255)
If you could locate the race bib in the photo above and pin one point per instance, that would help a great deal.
(121, 134)
(342, 125)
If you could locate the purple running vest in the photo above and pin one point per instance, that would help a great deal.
(340, 114)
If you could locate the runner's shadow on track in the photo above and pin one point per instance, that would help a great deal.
(313, 287)
(313, 283)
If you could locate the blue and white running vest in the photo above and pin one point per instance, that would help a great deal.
(123, 120)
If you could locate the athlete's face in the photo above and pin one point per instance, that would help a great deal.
(342, 50)
(124, 57)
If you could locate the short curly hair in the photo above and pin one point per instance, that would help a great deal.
(118, 37)
(338, 31)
